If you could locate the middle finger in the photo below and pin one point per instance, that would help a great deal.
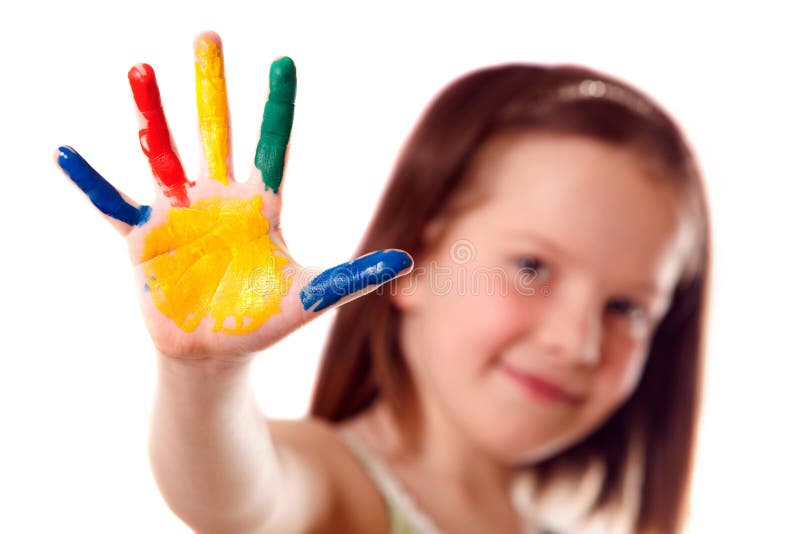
(212, 105)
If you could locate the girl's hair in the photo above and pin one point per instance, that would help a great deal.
(637, 465)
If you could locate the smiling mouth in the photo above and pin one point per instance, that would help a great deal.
(540, 388)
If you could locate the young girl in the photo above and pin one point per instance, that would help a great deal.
(539, 369)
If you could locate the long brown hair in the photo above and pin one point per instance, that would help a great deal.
(362, 359)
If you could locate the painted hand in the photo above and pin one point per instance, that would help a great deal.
(214, 274)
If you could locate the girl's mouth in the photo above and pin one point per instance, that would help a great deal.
(539, 387)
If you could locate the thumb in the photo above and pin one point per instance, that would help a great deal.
(353, 279)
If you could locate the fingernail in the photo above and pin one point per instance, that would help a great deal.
(282, 80)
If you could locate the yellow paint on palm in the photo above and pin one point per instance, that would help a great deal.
(216, 259)
(212, 107)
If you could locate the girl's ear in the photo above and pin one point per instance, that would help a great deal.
(410, 288)
(432, 233)
(404, 290)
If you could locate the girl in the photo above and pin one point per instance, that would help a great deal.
(539, 370)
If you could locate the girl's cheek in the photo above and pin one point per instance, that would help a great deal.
(495, 318)
(621, 368)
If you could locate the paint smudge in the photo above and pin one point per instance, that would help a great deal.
(155, 138)
(276, 125)
(103, 195)
(333, 284)
(216, 260)
(212, 107)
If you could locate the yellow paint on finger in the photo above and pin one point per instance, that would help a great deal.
(212, 107)
(215, 259)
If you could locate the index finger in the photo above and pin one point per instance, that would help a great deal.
(276, 125)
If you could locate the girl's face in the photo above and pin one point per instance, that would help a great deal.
(530, 322)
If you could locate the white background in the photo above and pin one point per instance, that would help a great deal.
(78, 371)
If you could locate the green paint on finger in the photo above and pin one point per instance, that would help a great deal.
(276, 125)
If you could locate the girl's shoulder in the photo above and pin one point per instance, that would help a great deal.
(322, 470)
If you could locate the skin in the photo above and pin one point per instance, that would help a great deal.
(221, 466)
(216, 284)
(215, 278)
(612, 229)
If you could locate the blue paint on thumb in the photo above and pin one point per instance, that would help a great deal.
(336, 283)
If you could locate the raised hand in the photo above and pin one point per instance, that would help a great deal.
(214, 275)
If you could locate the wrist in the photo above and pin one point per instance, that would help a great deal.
(205, 366)
(204, 381)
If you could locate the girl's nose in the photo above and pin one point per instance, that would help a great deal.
(569, 327)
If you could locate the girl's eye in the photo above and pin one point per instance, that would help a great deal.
(533, 266)
(626, 307)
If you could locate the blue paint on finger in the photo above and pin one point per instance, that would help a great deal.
(102, 194)
(332, 285)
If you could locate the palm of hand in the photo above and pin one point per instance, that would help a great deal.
(216, 259)
(215, 277)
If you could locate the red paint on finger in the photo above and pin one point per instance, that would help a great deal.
(154, 136)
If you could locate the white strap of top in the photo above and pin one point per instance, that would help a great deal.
(391, 488)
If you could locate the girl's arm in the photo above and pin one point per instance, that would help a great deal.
(216, 284)
(222, 467)
(210, 451)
